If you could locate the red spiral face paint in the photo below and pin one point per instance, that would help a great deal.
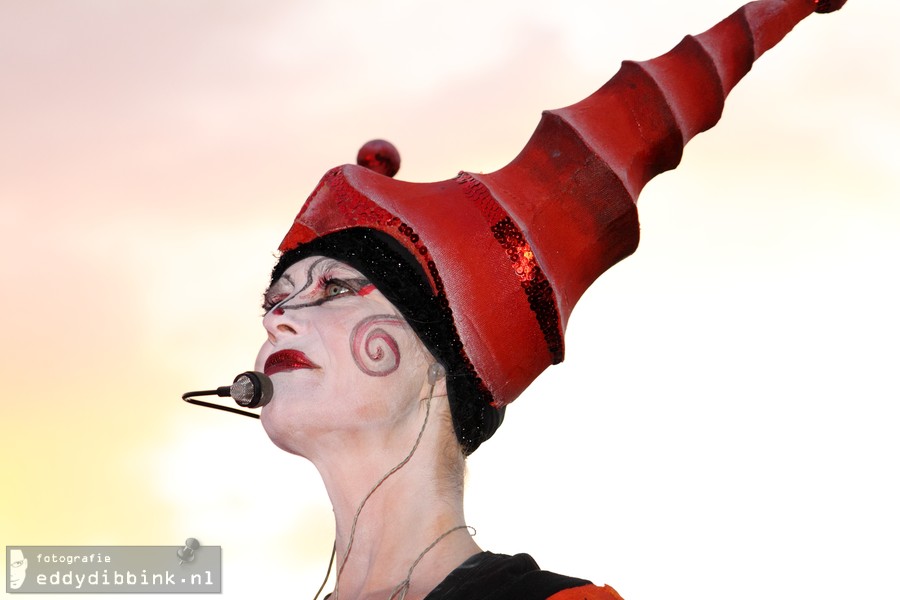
(375, 351)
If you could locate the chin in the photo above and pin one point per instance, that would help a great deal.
(277, 426)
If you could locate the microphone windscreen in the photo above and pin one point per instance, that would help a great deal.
(252, 389)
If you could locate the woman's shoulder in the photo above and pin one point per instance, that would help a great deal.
(489, 576)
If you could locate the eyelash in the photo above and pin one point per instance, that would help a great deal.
(270, 302)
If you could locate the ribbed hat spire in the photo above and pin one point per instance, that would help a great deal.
(512, 251)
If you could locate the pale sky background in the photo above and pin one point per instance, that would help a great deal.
(726, 422)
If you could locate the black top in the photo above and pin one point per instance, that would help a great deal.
(489, 576)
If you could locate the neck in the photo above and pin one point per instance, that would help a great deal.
(382, 534)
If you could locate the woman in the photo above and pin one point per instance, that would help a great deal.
(353, 386)
(402, 318)
(359, 395)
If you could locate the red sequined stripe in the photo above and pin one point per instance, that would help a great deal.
(359, 211)
(534, 283)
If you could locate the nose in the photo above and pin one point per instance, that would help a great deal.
(279, 323)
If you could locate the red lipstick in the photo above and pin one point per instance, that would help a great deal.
(287, 360)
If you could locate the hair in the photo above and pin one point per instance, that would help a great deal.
(452, 473)
(397, 275)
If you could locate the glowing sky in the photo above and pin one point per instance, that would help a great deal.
(726, 419)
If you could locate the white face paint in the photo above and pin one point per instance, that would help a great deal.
(340, 356)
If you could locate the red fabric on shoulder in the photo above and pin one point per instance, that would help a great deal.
(587, 592)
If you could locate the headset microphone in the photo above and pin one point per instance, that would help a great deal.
(250, 389)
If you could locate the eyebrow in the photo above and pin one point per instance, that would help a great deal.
(310, 275)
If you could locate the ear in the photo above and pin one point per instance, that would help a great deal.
(435, 385)
(436, 371)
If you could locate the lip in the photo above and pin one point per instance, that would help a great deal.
(287, 360)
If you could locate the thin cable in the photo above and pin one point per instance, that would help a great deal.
(376, 486)
(327, 573)
(403, 586)
(236, 411)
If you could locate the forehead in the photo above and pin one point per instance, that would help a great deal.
(312, 266)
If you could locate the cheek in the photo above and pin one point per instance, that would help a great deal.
(261, 356)
(390, 362)
(374, 346)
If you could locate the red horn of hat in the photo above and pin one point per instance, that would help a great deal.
(513, 251)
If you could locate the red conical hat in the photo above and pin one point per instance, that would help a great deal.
(513, 251)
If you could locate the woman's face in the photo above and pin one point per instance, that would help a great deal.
(341, 358)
